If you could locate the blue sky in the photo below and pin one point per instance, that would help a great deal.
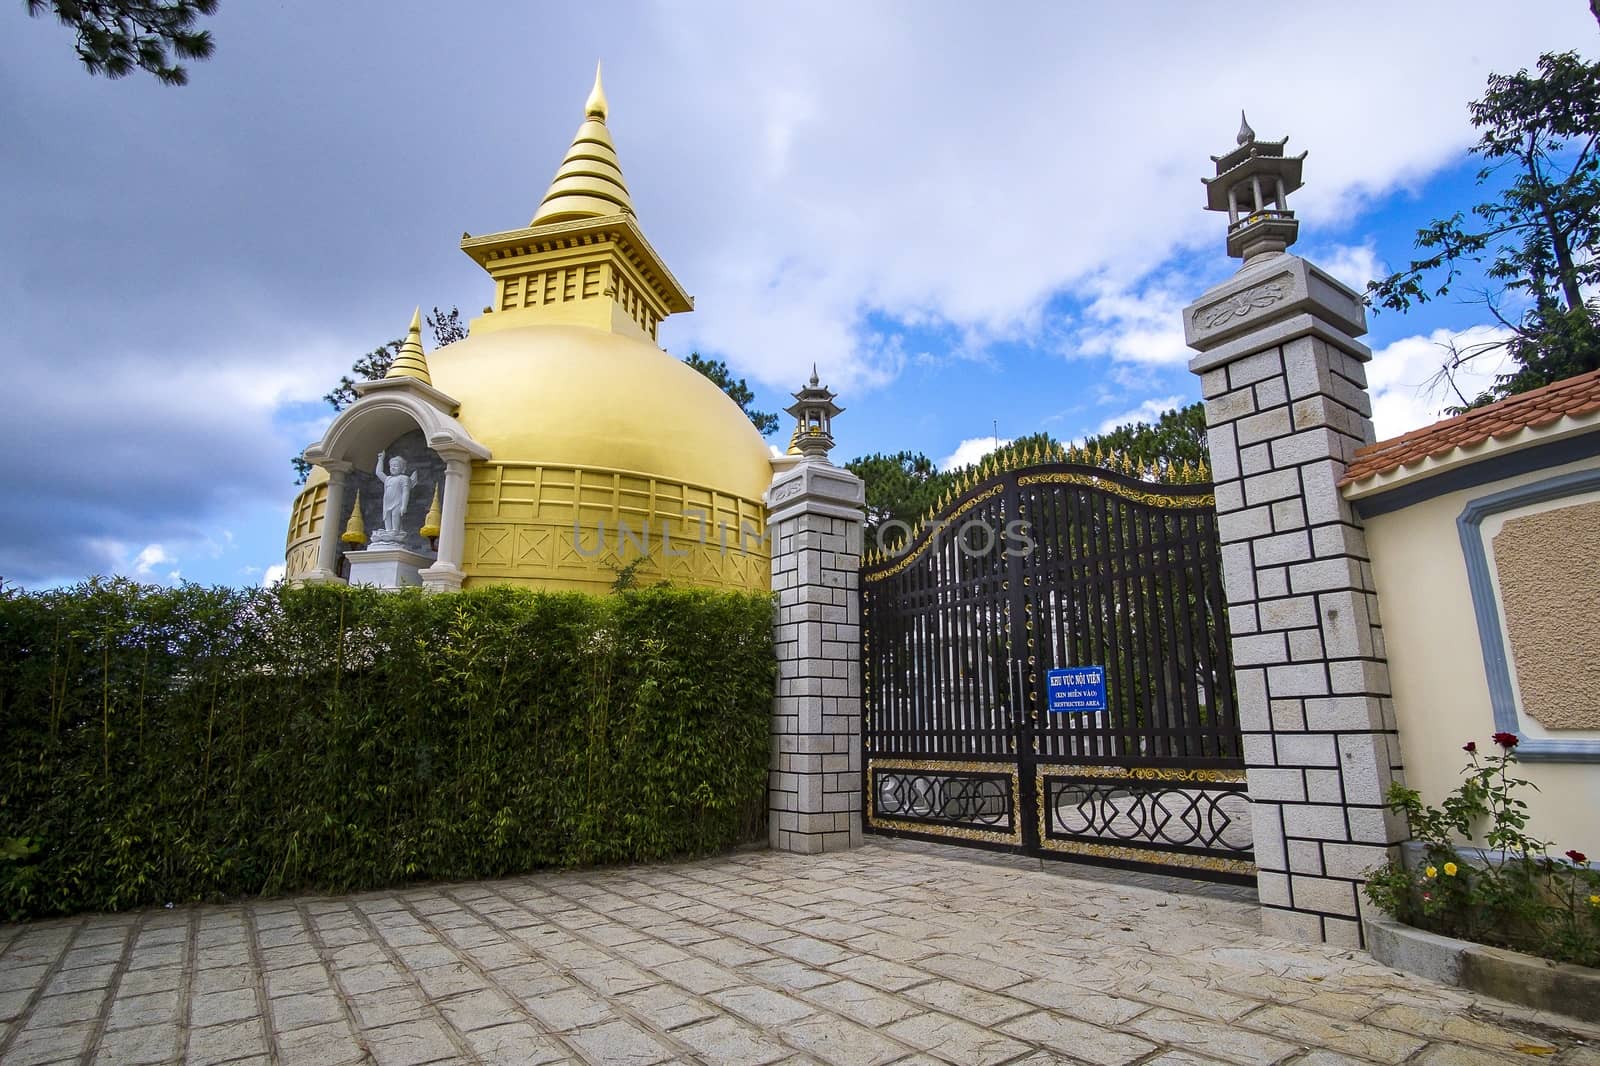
(965, 214)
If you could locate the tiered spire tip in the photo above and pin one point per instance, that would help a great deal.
(1246, 134)
(595, 106)
(588, 183)
(410, 362)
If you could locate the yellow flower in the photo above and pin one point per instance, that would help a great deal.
(1449, 869)
(1594, 901)
(1431, 872)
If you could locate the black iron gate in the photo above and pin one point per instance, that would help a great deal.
(1047, 566)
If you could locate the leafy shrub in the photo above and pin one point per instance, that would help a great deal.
(1516, 896)
(199, 743)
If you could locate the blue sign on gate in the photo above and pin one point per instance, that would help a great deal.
(1077, 689)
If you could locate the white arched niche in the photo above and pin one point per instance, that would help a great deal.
(385, 411)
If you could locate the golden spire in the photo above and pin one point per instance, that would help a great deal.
(588, 184)
(410, 362)
(595, 106)
(434, 518)
(355, 530)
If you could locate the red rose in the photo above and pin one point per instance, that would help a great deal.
(1505, 740)
(1578, 858)
(1470, 747)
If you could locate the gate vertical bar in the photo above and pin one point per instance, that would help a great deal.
(1024, 706)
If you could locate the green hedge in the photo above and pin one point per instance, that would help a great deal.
(164, 745)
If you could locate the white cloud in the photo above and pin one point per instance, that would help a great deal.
(1148, 411)
(150, 557)
(273, 575)
(1355, 265)
(1138, 325)
(970, 201)
(189, 445)
(1404, 378)
(971, 451)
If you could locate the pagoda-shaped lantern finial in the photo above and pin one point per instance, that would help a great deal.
(1252, 184)
(813, 412)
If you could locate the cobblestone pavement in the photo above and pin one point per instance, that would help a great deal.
(893, 953)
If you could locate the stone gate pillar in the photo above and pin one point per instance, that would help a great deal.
(1286, 407)
(814, 518)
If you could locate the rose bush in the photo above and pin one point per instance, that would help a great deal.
(1517, 896)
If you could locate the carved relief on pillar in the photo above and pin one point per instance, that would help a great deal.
(1240, 305)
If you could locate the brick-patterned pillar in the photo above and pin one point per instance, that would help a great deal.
(1286, 406)
(814, 793)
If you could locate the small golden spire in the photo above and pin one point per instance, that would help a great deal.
(355, 530)
(410, 362)
(595, 106)
(430, 523)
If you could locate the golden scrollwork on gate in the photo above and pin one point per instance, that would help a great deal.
(1138, 495)
(911, 556)
(1160, 773)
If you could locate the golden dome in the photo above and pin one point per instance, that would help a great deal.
(575, 396)
(591, 450)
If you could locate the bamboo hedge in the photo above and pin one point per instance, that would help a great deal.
(166, 745)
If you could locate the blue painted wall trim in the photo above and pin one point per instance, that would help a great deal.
(1501, 695)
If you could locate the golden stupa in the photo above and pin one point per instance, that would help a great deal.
(557, 443)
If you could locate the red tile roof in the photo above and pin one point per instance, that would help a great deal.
(1574, 396)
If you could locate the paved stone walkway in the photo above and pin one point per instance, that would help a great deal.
(892, 953)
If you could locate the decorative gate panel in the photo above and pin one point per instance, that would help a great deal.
(1051, 566)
